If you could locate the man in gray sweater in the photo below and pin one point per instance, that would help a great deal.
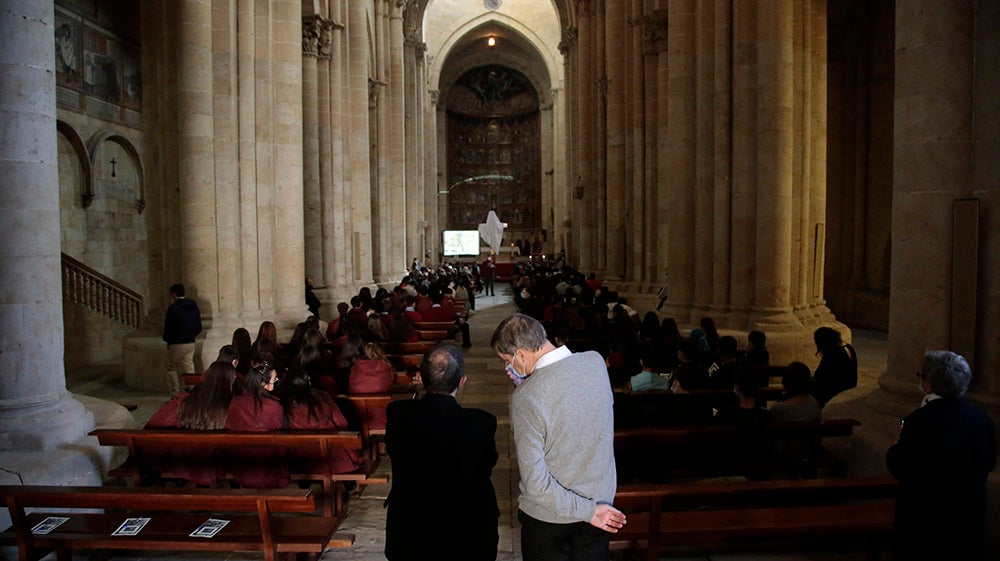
(561, 414)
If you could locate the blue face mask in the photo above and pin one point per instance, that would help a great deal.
(513, 371)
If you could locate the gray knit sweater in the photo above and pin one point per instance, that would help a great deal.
(564, 433)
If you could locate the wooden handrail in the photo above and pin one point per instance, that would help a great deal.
(84, 285)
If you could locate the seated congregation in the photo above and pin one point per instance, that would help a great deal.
(697, 405)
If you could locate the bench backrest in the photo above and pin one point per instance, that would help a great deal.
(658, 454)
(235, 500)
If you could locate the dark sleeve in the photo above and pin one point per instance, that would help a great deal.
(906, 455)
(197, 320)
(168, 324)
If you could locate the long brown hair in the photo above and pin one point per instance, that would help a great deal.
(206, 407)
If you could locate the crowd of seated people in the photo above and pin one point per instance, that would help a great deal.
(267, 384)
(651, 353)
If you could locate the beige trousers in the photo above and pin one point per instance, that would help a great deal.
(180, 360)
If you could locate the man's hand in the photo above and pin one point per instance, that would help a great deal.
(608, 518)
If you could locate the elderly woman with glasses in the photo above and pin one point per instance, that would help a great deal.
(945, 451)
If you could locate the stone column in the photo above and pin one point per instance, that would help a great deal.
(680, 179)
(196, 156)
(703, 197)
(36, 411)
(312, 28)
(289, 247)
(772, 296)
(722, 44)
(615, 99)
(330, 155)
(393, 269)
(585, 185)
(360, 224)
(249, 163)
(744, 155)
(932, 167)
(413, 129)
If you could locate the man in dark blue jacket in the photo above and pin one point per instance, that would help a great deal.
(181, 326)
(442, 505)
(945, 452)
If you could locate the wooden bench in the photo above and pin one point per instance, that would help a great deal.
(173, 515)
(646, 407)
(716, 516)
(661, 454)
(316, 445)
(434, 336)
(362, 408)
(407, 347)
(434, 325)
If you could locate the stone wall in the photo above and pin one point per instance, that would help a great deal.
(101, 178)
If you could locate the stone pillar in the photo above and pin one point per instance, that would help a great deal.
(196, 156)
(680, 179)
(722, 44)
(395, 267)
(772, 295)
(312, 28)
(413, 129)
(706, 229)
(338, 253)
(360, 224)
(932, 167)
(585, 186)
(289, 248)
(615, 98)
(249, 162)
(330, 157)
(36, 411)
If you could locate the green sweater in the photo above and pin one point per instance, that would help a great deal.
(563, 426)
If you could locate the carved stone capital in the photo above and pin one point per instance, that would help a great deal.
(569, 37)
(312, 26)
(374, 88)
(326, 39)
(654, 32)
(602, 86)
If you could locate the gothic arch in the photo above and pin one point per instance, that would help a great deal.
(80, 149)
(106, 135)
(545, 68)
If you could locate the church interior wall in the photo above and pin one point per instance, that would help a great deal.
(101, 195)
(860, 158)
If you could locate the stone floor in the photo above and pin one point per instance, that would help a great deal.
(487, 388)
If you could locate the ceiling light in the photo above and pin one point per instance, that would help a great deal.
(491, 41)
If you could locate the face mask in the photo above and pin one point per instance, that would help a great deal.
(513, 371)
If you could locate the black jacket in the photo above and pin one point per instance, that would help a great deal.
(183, 322)
(442, 505)
(945, 452)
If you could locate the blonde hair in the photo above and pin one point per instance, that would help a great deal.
(373, 351)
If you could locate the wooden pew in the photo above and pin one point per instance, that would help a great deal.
(434, 325)
(645, 405)
(661, 454)
(716, 516)
(295, 443)
(363, 408)
(172, 518)
(434, 336)
(407, 347)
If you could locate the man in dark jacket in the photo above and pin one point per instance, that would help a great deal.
(442, 505)
(944, 454)
(181, 326)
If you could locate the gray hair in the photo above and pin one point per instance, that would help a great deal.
(441, 369)
(948, 374)
(518, 332)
